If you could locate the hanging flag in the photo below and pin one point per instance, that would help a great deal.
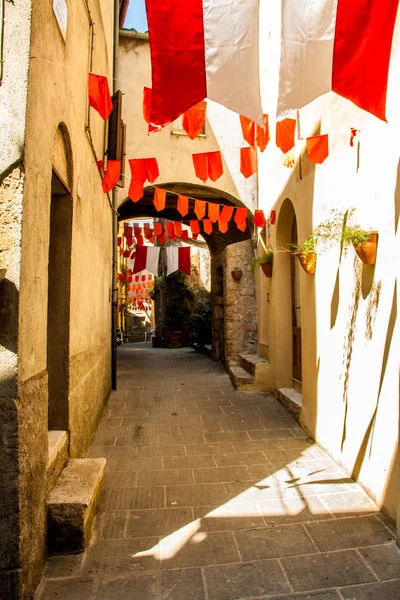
(159, 199)
(178, 259)
(248, 130)
(195, 236)
(336, 45)
(182, 205)
(200, 165)
(248, 161)
(112, 175)
(318, 148)
(353, 134)
(178, 228)
(285, 131)
(259, 219)
(226, 214)
(142, 169)
(262, 135)
(193, 57)
(100, 165)
(185, 235)
(137, 230)
(139, 240)
(147, 259)
(143, 277)
(119, 241)
(222, 226)
(128, 230)
(240, 218)
(200, 209)
(99, 95)
(208, 165)
(195, 227)
(193, 119)
(129, 241)
(170, 230)
(158, 229)
(146, 104)
(213, 212)
(126, 253)
(133, 255)
(162, 238)
(207, 224)
(149, 277)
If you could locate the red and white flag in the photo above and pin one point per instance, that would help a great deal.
(203, 49)
(178, 260)
(336, 45)
(147, 259)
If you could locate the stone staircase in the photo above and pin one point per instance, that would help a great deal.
(73, 493)
(250, 373)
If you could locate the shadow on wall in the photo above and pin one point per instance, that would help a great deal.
(9, 300)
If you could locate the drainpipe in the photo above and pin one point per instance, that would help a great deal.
(114, 305)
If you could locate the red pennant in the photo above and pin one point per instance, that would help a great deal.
(112, 175)
(215, 168)
(240, 218)
(195, 236)
(158, 229)
(140, 240)
(170, 230)
(262, 135)
(127, 253)
(213, 212)
(119, 241)
(248, 130)
(149, 277)
(353, 134)
(159, 198)
(200, 209)
(185, 235)
(207, 224)
(178, 228)
(194, 118)
(200, 166)
(222, 226)
(318, 148)
(259, 219)
(152, 171)
(133, 255)
(248, 161)
(100, 165)
(128, 230)
(147, 93)
(285, 131)
(183, 205)
(147, 231)
(226, 214)
(162, 239)
(137, 230)
(143, 277)
(195, 227)
(99, 95)
(129, 241)
(121, 251)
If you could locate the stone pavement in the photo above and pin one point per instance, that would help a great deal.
(211, 494)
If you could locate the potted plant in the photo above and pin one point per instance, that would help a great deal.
(363, 242)
(265, 262)
(178, 297)
(306, 255)
(201, 320)
(237, 273)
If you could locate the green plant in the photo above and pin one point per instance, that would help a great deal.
(236, 268)
(178, 297)
(339, 227)
(157, 287)
(267, 257)
(306, 248)
(353, 234)
(200, 324)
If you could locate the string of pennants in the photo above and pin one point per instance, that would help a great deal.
(207, 165)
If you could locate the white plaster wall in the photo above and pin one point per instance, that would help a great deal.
(369, 411)
(173, 152)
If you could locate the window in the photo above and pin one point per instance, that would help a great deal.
(177, 128)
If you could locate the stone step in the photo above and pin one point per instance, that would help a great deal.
(72, 505)
(292, 400)
(240, 376)
(57, 456)
(250, 362)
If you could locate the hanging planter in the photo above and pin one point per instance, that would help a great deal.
(267, 269)
(366, 251)
(237, 273)
(265, 262)
(307, 261)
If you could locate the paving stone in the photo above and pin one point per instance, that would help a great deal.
(384, 560)
(388, 590)
(146, 586)
(297, 443)
(245, 580)
(312, 596)
(120, 479)
(229, 517)
(349, 503)
(294, 510)
(172, 477)
(63, 566)
(133, 464)
(191, 495)
(203, 428)
(242, 426)
(348, 533)
(182, 584)
(119, 557)
(258, 446)
(273, 542)
(202, 549)
(68, 589)
(197, 449)
(317, 571)
(151, 451)
(131, 498)
(221, 475)
(230, 436)
(111, 525)
(189, 462)
(245, 458)
(270, 434)
(193, 438)
(145, 523)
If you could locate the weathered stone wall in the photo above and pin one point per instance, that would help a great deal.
(240, 307)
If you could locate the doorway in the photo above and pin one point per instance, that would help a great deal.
(296, 310)
(59, 296)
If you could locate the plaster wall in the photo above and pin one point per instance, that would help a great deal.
(350, 325)
(57, 93)
(173, 152)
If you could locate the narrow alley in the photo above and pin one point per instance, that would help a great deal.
(214, 494)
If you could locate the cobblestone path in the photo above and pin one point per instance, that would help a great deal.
(211, 494)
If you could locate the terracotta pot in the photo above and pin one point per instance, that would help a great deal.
(126, 339)
(367, 251)
(267, 269)
(307, 261)
(237, 275)
(174, 338)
